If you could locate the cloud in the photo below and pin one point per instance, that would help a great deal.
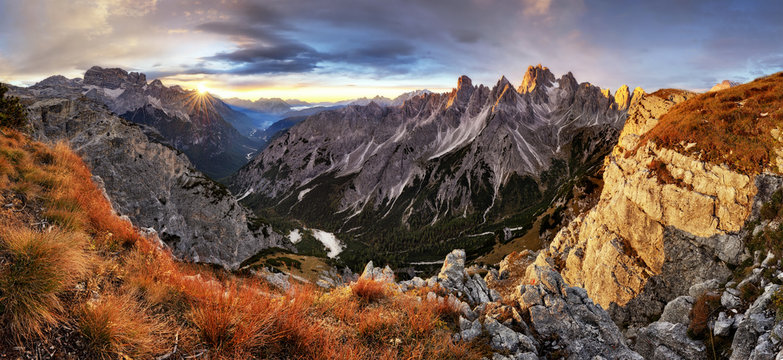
(648, 43)
(536, 7)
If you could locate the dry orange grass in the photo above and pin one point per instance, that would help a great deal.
(369, 290)
(35, 269)
(729, 127)
(116, 326)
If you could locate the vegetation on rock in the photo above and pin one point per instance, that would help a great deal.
(12, 113)
(732, 126)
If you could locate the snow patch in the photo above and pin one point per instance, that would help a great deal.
(154, 101)
(246, 194)
(295, 236)
(113, 93)
(303, 193)
(330, 241)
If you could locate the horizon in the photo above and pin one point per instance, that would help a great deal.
(293, 50)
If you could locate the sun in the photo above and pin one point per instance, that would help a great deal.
(201, 88)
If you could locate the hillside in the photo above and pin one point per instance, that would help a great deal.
(738, 126)
(77, 281)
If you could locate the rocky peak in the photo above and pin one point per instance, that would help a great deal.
(462, 93)
(113, 78)
(568, 83)
(725, 84)
(638, 92)
(536, 77)
(606, 93)
(56, 80)
(622, 97)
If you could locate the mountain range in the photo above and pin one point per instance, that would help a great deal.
(441, 169)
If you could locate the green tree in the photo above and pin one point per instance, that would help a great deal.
(12, 113)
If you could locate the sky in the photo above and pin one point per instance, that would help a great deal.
(328, 50)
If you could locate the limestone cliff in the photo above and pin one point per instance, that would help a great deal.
(153, 184)
(665, 220)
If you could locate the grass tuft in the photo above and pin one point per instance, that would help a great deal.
(116, 326)
(35, 269)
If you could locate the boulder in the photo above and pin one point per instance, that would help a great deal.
(723, 325)
(664, 340)
(678, 310)
(701, 288)
(453, 270)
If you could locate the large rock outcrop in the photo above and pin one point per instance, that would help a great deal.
(545, 319)
(664, 221)
(153, 184)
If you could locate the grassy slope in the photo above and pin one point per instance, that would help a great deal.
(77, 279)
(729, 127)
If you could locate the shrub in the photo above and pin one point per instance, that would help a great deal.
(36, 268)
(117, 327)
(777, 302)
(369, 290)
(12, 114)
(703, 308)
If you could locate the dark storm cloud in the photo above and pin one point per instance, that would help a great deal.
(685, 43)
(264, 43)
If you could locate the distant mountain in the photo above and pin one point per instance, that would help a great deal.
(422, 177)
(271, 106)
(725, 84)
(199, 125)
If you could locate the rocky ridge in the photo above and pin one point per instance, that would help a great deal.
(199, 125)
(152, 184)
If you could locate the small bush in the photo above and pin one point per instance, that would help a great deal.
(369, 290)
(12, 113)
(118, 327)
(777, 302)
(703, 308)
(36, 268)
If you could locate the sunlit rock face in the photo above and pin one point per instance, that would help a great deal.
(477, 152)
(148, 181)
(723, 85)
(664, 221)
(197, 124)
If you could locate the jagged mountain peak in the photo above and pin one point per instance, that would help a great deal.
(113, 78)
(536, 77)
(57, 80)
(463, 82)
(461, 94)
(622, 97)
